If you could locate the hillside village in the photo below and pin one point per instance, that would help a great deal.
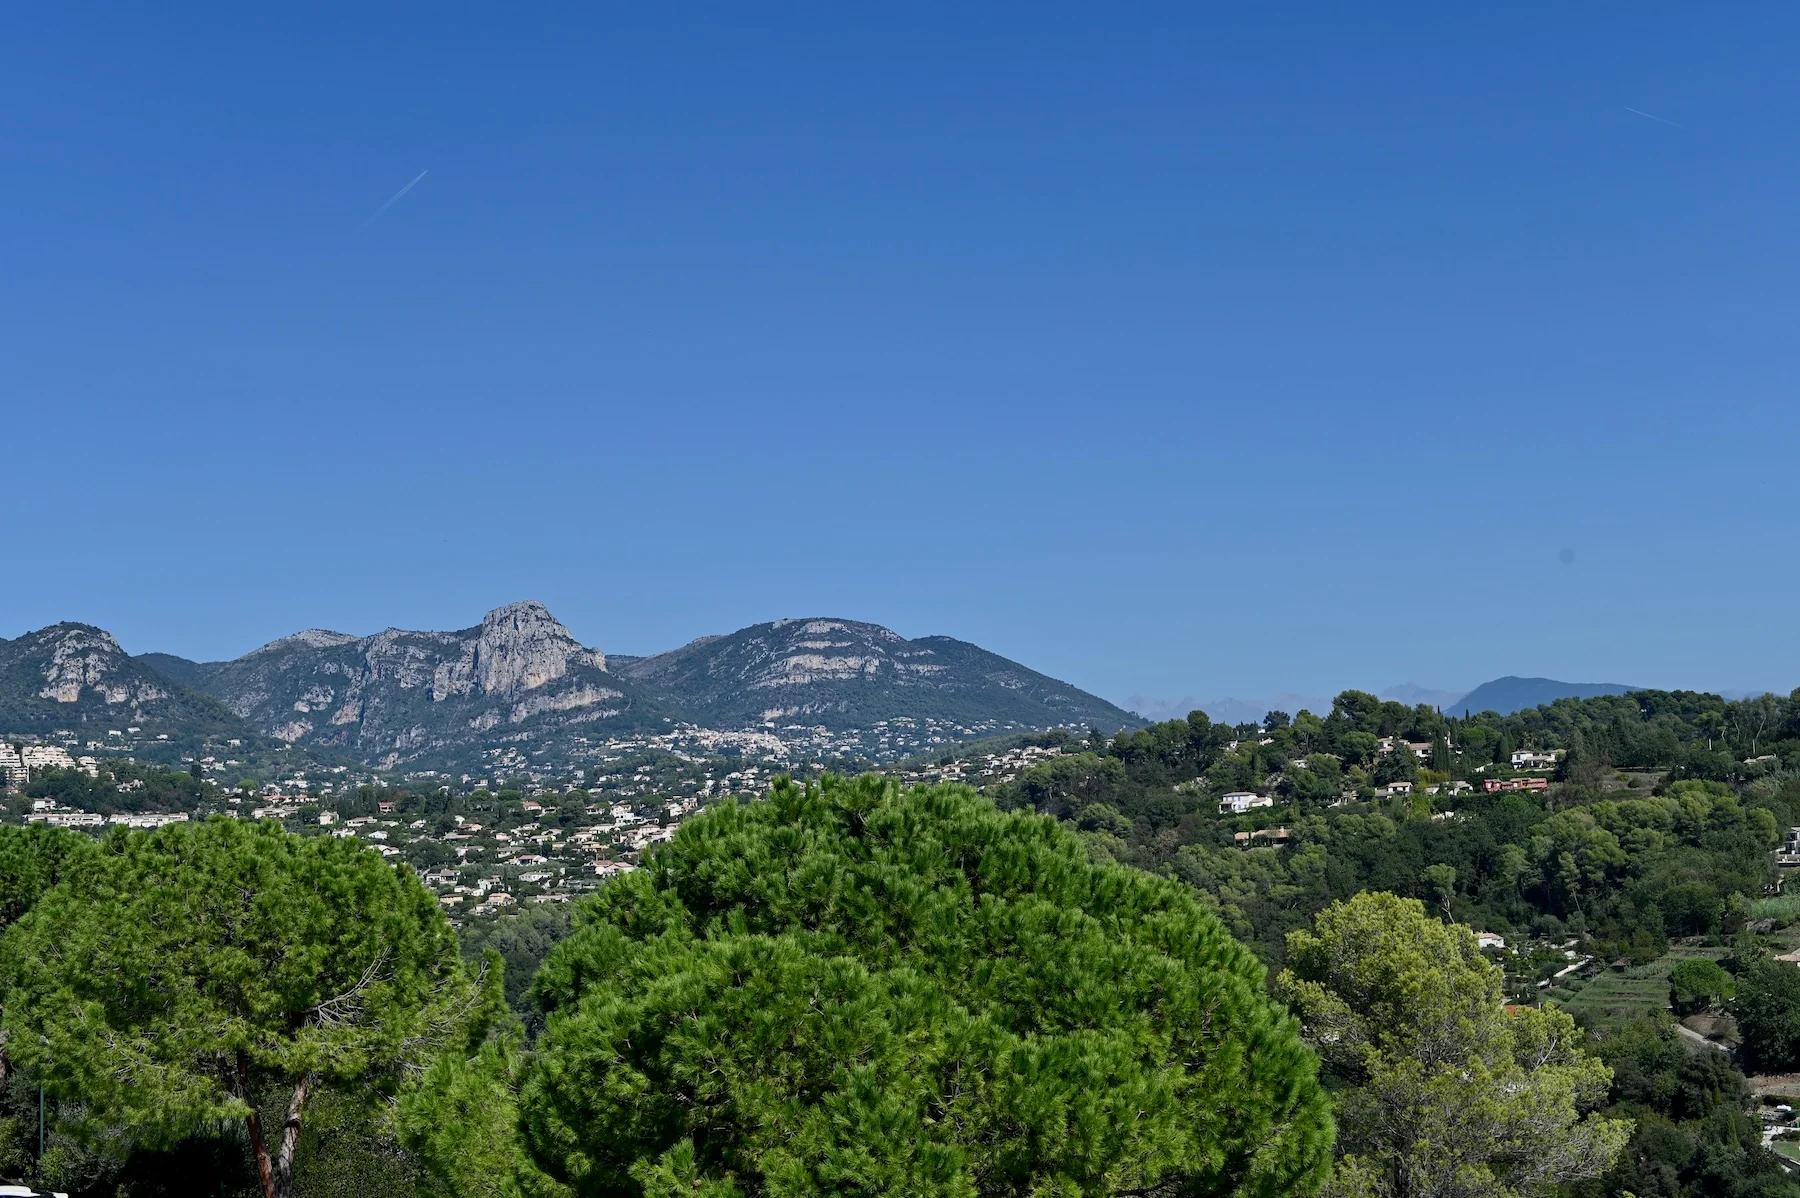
(483, 844)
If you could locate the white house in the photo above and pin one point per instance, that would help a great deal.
(1535, 759)
(1240, 801)
(1490, 940)
(1394, 788)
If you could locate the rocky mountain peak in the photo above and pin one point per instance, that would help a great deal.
(310, 638)
(72, 658)
(522, 646)
(526, 612)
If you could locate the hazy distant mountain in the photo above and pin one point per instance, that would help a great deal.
(520, 686)
(75, 677)
(1413, 695)
(844, 673)
(1510, 694)
(1251, 711)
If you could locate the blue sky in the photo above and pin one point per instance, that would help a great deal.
(1173, 350)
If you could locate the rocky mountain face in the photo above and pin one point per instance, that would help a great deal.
(844, 674)
(401, 697)
(75, 676)
(520, 681)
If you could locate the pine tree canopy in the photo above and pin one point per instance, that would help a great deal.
(853, 988)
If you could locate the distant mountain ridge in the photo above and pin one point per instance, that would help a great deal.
(520, 681)
(835, 672)
(1509, 694)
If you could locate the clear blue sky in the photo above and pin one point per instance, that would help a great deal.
(1171, 349)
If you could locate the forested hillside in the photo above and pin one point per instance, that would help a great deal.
(1657, 820)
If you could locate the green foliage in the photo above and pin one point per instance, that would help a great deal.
(1440, 1088)
(1695, 1133)
(850, 988)
(1784, 909)
(1696, 984)
(32, 860)
(1768, 1014)
(522, 938)
(121, 786)
(176, 977)
(461, 1119)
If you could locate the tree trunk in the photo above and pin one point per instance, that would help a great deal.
(276, 1174)
(290, 1137)
(265, 1170)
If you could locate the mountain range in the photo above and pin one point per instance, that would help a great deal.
(519, 679)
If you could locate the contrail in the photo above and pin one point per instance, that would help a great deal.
(1628, 108)
(393, 199)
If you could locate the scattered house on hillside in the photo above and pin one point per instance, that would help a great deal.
(1490, 941)
(1492, 785)
(1262, 836)
(1239, 801)
(1535, 759)
(1394, 789)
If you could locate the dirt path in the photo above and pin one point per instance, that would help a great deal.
(1694, 1037)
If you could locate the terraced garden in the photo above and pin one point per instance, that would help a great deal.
(1614, 997)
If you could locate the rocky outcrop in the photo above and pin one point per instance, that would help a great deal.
(407, 697)
(68, 675)
(89, 659)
